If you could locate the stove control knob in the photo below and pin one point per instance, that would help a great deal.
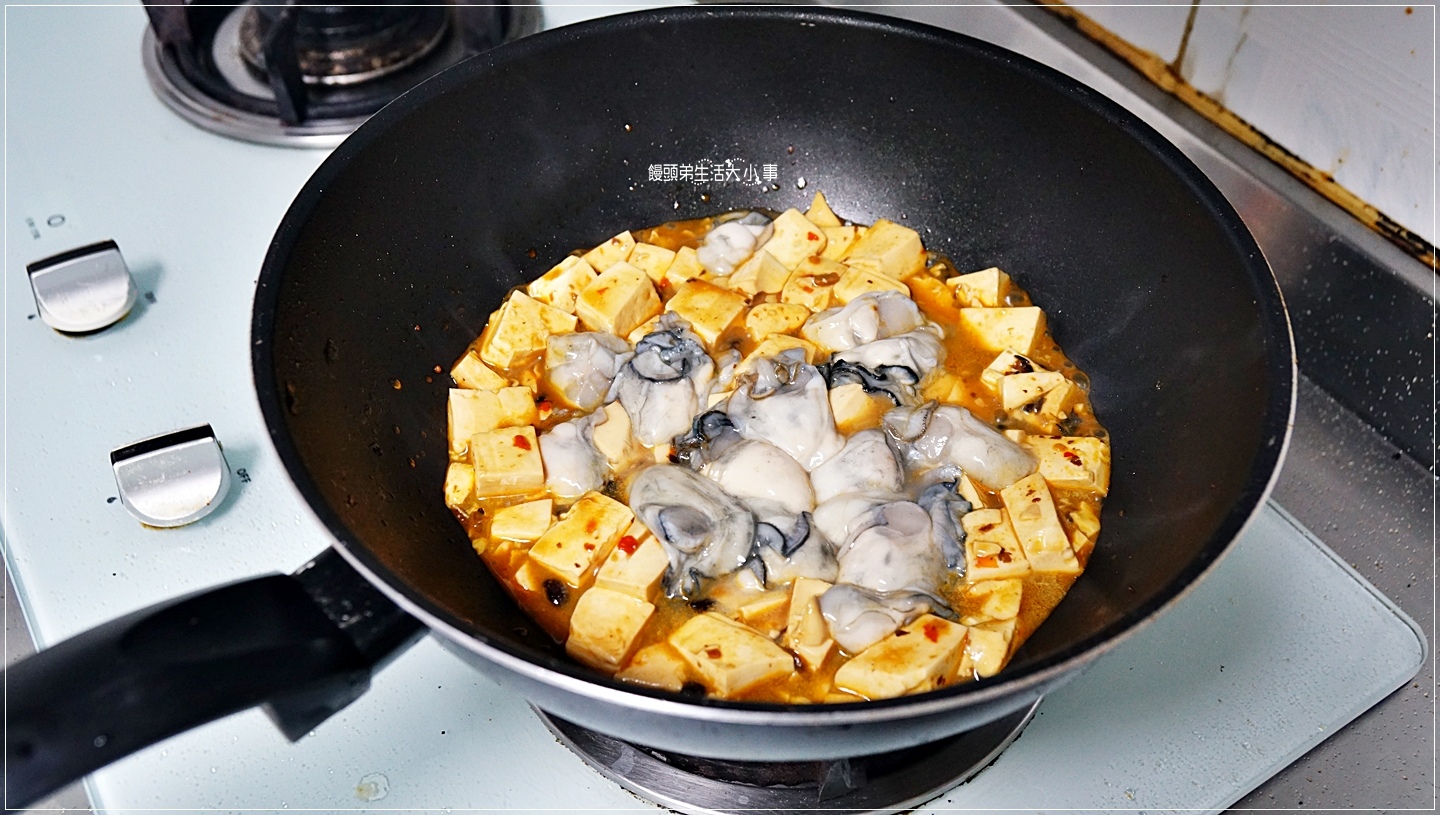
(172, 479)
(84, 289)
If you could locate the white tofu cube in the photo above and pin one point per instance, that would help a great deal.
(855, 410)
(766, 319)
(1019, 390)
(506, 462)
(714, 314)
(459, 485)
(1073, 462)
(657, 666)
(771, 347)
(857, 281)
(987, 648)
(611, 252)
(522, 522)
(686, 266)
(812, 284)
(471, 373)
(471, 412)
(806, 634)
(560, 286)
(1000, 329)
(636, 565)
(766, 613)
(991, 549)
(820, 213)
(1084, 529)
(1037, 526)
(620, 299)
(516, 333)
(986, 288)
(574, 547)
(888, 249)
(653, 260)
(795, 239)
(1006, 364)
(643, 329)
(761, 273)
(839, 239)
(605, 628)
(971, 491)
(922, 656)
(614, 440)
(994, 599)
(730, 658)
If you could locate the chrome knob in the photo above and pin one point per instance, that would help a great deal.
(172, 479)
(84, 289)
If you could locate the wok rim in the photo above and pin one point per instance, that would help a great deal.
(1275, 426)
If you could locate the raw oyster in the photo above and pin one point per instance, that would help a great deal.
(666, 382)
(705, 532)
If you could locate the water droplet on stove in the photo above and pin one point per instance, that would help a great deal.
(800, 183)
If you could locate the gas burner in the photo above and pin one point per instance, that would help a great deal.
(306, 75)
(881, 783)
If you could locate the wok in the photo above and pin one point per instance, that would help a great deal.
(395, 252)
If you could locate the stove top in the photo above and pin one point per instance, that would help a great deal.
(1193, 712)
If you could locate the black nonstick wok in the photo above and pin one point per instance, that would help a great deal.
(397, 250)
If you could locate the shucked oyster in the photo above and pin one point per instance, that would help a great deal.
(785, 402)
(869, 317)
(949, 437)
(665, 383)
(705, 532)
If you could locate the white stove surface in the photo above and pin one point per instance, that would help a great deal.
(1193, 712)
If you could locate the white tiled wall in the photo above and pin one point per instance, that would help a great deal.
(1350, 89)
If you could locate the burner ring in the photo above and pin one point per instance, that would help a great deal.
(351, 63)
(884, 783)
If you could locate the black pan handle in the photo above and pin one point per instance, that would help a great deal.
(303, 645)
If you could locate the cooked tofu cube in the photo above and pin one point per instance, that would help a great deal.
(1073, 462)
(560, 286)
(575, 546)
(772, 346)
(714, 313)
(943, 387)
(921, 656)
(653, 260)
(605, 628)
(611, 252)
(971, 491)
(522, 522)
(729, 657)
(857, 281)
(614, 440)
(761, 273)
(530, 578)
(806, 633)
(1008, 363)
(636, 565)
(641, 330)
(1001, 329)
(986, 288)
(1019, 390)
(820, 213)
(987, 648)
(839, 239)
(934, 298)
(766, 613)
(1037, 526)
(774, 318)
(516, 333)
(795, 239)
(999, 600)
(812, 284)
(685, 266)
(471, 373)
(459, 485)
(856, 410)
(506, 462)
(888, 249)
(1084, 529)
(1015, 435)
(620, 299)
(657, 666)
(471, 412)
(991, 548)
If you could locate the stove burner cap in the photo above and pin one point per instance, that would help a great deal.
(882, 783)
(345, 45)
